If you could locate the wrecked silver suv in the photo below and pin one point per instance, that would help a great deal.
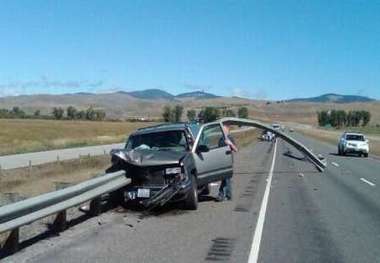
(173, 162)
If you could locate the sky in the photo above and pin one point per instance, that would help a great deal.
(258, 49)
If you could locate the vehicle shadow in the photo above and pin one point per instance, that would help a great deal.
(293, 156)
(346, 155)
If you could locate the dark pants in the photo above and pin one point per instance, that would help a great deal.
(225, 189)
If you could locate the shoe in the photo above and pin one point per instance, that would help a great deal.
(220, 199)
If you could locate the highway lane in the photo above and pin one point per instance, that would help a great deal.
(310, 217)
(329, 217)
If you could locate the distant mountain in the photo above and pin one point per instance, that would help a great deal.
(333, 98)
(149, 94)
(197, 95)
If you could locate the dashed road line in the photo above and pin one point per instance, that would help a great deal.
(335, 164)
(255, 248)
(367, 182)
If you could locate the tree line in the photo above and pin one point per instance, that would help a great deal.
(58, 113)
(208, 114)
(341, 118)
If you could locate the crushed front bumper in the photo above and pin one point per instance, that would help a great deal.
(160, 195)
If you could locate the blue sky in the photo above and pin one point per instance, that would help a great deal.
(261, 49)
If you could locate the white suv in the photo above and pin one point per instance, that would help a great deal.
(351, 142)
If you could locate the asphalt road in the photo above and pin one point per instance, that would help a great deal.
(304, 216)
(37, 158)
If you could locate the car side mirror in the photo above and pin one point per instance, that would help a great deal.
(202, 148)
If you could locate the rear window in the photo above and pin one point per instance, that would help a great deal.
(354, 137)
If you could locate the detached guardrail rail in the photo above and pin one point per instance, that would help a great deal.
(13, 216)
(319, 164)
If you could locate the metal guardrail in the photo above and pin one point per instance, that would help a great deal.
(319, 164)
(15, 215)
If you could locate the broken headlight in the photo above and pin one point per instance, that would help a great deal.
(175, 174)
(173, 170)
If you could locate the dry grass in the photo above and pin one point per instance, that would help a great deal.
(44, 178)
(249, 137)
(18, 136)
(332, 137)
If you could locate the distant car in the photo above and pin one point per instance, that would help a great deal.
(351, 142)
(276, 126)
(173, 162)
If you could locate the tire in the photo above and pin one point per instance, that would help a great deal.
(191, 201)
(205, 190)
(365, 155)
(339, 151)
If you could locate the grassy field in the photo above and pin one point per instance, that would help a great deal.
(43, 178)
(19, 136)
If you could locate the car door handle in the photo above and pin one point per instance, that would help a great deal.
(228, 152)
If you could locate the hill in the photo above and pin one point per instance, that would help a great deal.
(150, 103)
(197, 95)
(150, 94)
(333, 98)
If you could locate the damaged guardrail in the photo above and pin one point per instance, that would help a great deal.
(319, 164)
(15, 215)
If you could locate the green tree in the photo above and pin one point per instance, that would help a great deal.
(366, 117)
(323, 118)
(341, 118)
(191, 115)
(100, 115)
(58, 113)
(243, 112)
(71, 112)
(210, 114)
(90, 114)
(229, 113)
(178, 111)
(17, 112)
(37, 114)
(166, 114)
(81, 115)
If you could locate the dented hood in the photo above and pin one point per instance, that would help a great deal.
(145, 157)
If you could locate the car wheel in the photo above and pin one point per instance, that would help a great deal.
(205, 190)
(339, 151)
(191, 201)
(365, 155)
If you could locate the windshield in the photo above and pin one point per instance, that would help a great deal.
(354, 137)
(168, 140)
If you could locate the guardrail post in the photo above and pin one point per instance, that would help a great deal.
(12, 243)
(30, 167)
(95, 207)
(60, 222)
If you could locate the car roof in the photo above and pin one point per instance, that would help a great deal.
(354, 133)
(193, 127)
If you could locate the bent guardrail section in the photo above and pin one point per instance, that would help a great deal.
(15, 215)
(320, 165)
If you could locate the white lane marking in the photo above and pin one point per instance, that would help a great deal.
(335, 164)
(367, 182)
(255, 248)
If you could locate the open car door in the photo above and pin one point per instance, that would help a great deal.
(212, 157)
